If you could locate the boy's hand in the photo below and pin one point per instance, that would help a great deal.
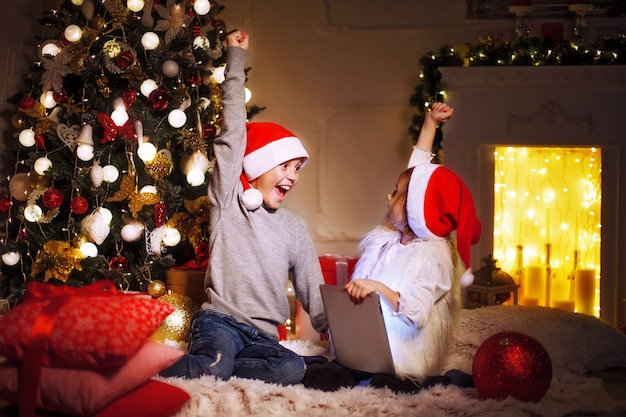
(441, 112)
(238, 38)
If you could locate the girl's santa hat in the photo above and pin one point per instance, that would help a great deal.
(438, 203)
(268, 145)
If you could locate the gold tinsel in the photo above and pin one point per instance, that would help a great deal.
(58, 259)
(175, 327)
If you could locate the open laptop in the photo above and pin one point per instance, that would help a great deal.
(357, 331)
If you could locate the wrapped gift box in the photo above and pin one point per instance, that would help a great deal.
(188, 282)
(337, 269)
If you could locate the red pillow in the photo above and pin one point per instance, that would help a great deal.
(82, 392)
(90, 331)
(153, 399)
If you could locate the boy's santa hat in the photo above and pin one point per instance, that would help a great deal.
(268, 145)
(438, 203)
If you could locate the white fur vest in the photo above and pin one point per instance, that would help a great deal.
(426, 273)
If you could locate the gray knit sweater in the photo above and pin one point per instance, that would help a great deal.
(253, 253)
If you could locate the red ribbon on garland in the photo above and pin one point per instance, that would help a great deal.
(30, 373)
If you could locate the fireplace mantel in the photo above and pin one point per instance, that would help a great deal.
(543, 106)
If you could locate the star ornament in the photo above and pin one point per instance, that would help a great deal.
(113, 131)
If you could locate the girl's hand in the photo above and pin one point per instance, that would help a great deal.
(441, 112)
(359, 289)
(238, 38)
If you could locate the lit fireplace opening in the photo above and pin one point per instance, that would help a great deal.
(547, 225)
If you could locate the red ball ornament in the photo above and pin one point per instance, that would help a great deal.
(79, 205)
(119, 263)
(511, 364)
(5, 204)
(52, 198)
(194, 80)
(129, 96)
(124, 59)
(159, 99)
(27, 103)
(60, 96)
(209, 131)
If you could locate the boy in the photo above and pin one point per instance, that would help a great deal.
(255, 245)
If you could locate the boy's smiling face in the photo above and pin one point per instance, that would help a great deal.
(276, 182)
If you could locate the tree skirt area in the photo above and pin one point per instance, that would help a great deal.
(571, 393)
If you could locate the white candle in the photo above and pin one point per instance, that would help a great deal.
(567, 305)
(585, 290)
(535, 282)
(560, 290)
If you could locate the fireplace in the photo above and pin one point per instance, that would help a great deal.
(558, 110)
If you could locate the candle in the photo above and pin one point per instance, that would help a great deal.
(530, 301)
(560, 290)
(535, 282)
(585, 291)
(566, 305)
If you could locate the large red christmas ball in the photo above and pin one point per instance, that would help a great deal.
(79, 205)
(52, 198)
(511, 364)
(159, 99)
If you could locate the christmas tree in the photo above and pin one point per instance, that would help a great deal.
(113, 138)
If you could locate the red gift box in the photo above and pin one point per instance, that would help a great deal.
(336, 269)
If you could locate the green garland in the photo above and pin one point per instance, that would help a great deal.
(495, 50)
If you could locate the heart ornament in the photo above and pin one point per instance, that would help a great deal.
(68, 134)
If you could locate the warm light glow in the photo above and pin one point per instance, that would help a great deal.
(177, 118)
(148, 86)
(27, 137)
(47, 100)
(73, 33)
(202, 7)
(548, 196)
(41, 165)
(218, 74)
(135, 5)
(88, 249)
(146, 151)
(10, 258)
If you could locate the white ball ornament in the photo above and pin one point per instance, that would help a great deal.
(135, 5)
(33, 213)
(146, 151)
(177, 118)
(88, 249)
(73, 33)
(195, 177)
(47, 100)
(150, 41)
(77, 2)
(110, 173)
(132, 232)
(84, 152)
(202, 7)
(171, 237)
(218, 74)
(170, 68)
(42, 165)
(27, 137)
(148, 189)
(148, 86)
(10, 258)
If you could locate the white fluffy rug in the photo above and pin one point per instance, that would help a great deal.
(576, 344)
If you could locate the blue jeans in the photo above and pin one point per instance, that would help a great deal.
(221, 346)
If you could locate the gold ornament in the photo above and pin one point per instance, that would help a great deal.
(156, 288)
(136, 201)
(175, 327)
(98, 23)
(159, 168)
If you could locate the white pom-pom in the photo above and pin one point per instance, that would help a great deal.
(252, 199)
(467, 278)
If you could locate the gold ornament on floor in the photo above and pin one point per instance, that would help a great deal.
(156, 288)
(175, 327)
